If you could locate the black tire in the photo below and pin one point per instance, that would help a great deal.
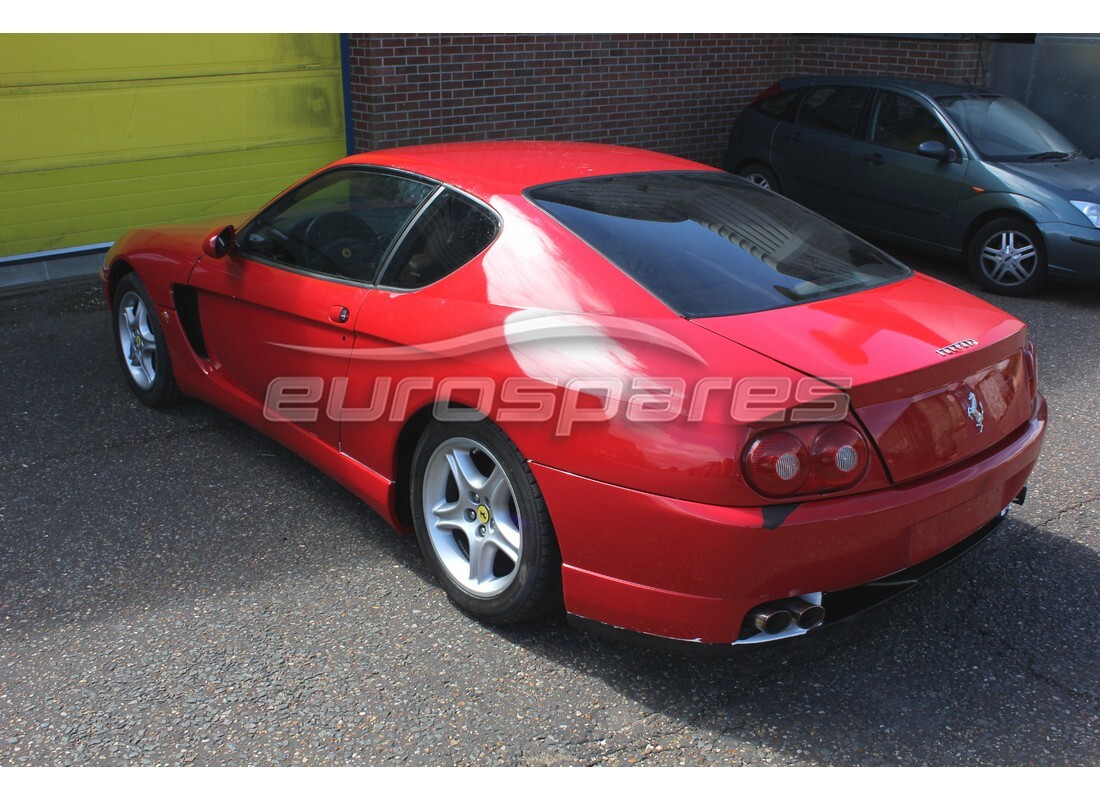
(474, 500)
(1008, 256)
(139, 341)
(761, 176)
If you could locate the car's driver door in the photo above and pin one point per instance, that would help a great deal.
(278, 313)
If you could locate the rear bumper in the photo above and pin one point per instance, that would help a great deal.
(839, 606)
(692, 572)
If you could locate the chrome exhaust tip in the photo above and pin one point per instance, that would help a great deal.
(771, 619)
(805, 615)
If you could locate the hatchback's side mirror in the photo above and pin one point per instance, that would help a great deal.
(220, 242)
(937, 150)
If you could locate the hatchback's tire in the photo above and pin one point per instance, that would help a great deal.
(761, 176)
(482, 524)
(139, 341)
(1008, 256)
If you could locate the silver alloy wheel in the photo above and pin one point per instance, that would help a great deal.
(139, 343)
(1009, 257)
(472, 517)
(758, 179)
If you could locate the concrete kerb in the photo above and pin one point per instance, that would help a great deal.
(32, 275)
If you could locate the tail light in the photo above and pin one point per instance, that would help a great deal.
(776, 463)
(807, 460)
(771, 91)
(839, 457)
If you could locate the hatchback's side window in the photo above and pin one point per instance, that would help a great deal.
(904, 123)
(340, 223)
(834, 108)
(450, 232)
(781, 106)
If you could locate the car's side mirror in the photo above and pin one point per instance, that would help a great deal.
(220, 242)
(937, 150)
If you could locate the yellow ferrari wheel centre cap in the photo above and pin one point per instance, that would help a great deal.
(482, 514)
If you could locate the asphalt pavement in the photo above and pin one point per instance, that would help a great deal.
(177, 589)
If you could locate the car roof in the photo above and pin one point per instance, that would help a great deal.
(930, 88)
(485, 169)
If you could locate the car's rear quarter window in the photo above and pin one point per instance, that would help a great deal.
(447, 235)
(710, 244)
(781, 106)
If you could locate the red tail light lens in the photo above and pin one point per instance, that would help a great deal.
(839, 457)
(776, 463)
(806, 460)
(771, 91)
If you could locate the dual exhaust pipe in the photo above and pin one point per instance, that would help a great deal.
(776, 617)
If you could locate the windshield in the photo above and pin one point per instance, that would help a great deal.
(709, 244)
(1005, 130)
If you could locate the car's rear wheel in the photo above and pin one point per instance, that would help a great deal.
(760, 175)
(142, 350)
(482, 524)
(1007, 256)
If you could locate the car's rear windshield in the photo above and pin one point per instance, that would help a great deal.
(708, 244)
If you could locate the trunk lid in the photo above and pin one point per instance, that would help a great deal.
(934, 374)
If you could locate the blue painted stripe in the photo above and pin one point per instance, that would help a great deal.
(345, 60)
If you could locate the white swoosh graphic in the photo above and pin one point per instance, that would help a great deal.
(537, 330)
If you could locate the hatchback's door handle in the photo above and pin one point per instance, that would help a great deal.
(338, 314)
(874, 158)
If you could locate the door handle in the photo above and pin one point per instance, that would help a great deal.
(794, 137)
(338, 314)
(874, 158)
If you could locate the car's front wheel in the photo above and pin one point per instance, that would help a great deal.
(140, 343)
(482, 524)
(1007, 256)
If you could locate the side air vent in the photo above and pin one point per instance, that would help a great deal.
(187, 306)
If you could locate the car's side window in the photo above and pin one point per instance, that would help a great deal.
(834, 108)
(903, 123)
(340, 223)
(781, 106)
(450, 232)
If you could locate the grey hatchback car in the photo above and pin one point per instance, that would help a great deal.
(954, 170)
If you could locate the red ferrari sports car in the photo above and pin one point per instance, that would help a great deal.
(676, 403)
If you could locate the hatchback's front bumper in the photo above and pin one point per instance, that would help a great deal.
(1073, 251)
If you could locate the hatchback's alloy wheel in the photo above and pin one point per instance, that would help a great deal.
(1007, 256)
(482, 524)
(761, 176)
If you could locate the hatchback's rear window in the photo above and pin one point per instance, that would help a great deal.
(709, 244)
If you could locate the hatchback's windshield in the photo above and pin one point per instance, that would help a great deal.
(709, 244)
(1005, 130)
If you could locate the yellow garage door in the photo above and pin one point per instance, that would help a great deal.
(100, 133)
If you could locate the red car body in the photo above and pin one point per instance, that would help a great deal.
(659, 531)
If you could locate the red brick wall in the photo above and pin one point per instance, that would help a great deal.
(676, 93)
(952, 61)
